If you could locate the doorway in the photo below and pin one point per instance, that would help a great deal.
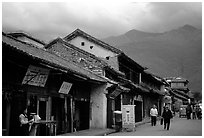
(81, 120)
(17, 104)
(42, 113)
(110, 110)
(58, 113)
(138, 111)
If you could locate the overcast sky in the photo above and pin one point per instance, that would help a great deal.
(100, 19)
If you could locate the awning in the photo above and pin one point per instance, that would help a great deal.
(116, 90)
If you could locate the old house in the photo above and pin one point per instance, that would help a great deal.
(140, 84)
(179, 91)
(156, 88)
(90, 62)
(55, 89)
(78, 82)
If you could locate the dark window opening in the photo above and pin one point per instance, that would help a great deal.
(82, 43)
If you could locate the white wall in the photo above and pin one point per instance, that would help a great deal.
(97, 50)
(98, 103)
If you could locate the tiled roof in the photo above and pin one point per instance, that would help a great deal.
(83, 52)
(155, 77)
(133, 62)
(49, 58)
(60, 40)
(178, 95)
(176, 79)
(181, 93)
(20, 33)
(79, 32)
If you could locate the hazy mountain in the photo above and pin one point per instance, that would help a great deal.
(173, 53)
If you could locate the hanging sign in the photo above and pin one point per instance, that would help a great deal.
(65, 87)
(36, 76)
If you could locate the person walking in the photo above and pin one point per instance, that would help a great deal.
(193, 112)
(167, 115)
(24, 123)
(188, 111)
(153, 114)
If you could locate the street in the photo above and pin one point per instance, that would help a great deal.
(178, 127)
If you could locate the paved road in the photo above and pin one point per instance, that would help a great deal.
(179, 127)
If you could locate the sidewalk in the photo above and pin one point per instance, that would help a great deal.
(90, 132)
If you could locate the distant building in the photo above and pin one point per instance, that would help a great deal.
(179, 89)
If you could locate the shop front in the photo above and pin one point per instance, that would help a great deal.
(61, 93)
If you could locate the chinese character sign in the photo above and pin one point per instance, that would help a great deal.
(36, 76)
(65, 87)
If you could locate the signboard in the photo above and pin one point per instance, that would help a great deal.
(36, 76)
(65, 87)
(128, 117)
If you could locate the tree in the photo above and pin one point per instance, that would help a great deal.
(197, 96)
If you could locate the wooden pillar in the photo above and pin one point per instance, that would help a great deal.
(48, 113)
(142, 107)
(71, 107)
(140, 78)
(121, 98)
(8, 114)
(65, 111)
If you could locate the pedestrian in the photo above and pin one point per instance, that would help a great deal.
(199, 113)
(24, 123)
(188, 111)
(167, 115)
(193, 112)
(153, 114)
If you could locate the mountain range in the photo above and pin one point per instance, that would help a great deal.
(174, 53)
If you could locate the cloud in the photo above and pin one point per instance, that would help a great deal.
(100, 19)
(171, 15)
